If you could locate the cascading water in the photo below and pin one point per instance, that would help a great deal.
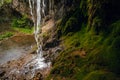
(31, 9)
(38, 61)
(37, 20)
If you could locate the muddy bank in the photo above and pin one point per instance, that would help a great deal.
(19, 61)
(14, 47)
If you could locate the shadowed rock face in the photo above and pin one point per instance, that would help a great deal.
(21, 6)
(7, 14)
(54, 8)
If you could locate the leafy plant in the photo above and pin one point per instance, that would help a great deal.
(22, 22)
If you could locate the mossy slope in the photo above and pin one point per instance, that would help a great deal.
(91, 38)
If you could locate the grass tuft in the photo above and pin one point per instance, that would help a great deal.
(6, 35)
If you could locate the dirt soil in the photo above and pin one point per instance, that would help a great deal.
(15, 53)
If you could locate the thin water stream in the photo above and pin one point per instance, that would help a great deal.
(38, 62)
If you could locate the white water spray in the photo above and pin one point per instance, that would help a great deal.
(40, 13)
(36, 20)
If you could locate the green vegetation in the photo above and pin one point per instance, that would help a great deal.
(23, 30)
(92, 44)
(12, 22)
(102, 53)
(100, 75)
(6, 35)
(22, 24)
(5, 1)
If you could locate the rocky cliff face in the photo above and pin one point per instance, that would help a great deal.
(21, 6)
(7, 13)
(89, 34)
(54, 8)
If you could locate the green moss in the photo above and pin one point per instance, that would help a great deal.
(113, 56)
(5, 1)
(83, 6)
(22, 22)
(65, 65)
(115, 27)
(71, 22)
(102, 54)
(5, 35)
(72, 41)
(23, 30)
(70, 25)
(101, 44)
(96, 25)
(100, 75)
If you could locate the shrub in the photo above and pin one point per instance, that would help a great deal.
(22, 22)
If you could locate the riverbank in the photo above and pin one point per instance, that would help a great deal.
(17, 56)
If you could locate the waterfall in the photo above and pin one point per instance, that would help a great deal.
(37, 11)
(40, 10)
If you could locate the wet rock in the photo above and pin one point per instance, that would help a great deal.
(2, 73)
(31, 67)
(51, 43)
(21, 6)
(52, 53)
(38, 76)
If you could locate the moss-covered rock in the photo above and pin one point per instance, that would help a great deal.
(100, 75)
(93, 28)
